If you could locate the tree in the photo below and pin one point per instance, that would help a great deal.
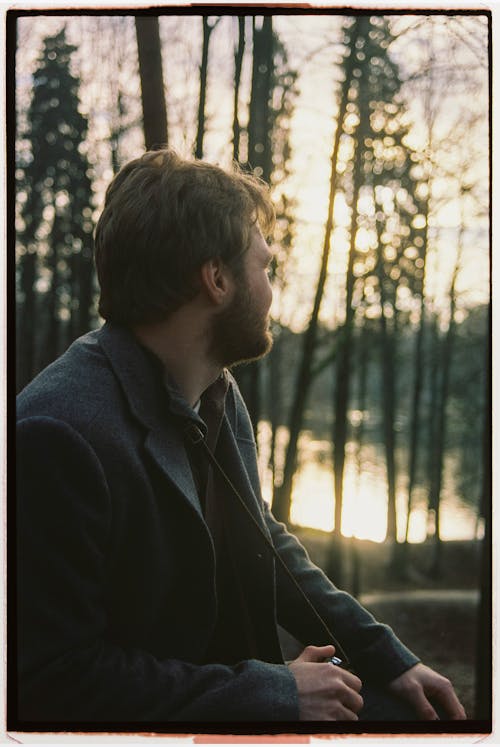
(377, 185)
(484, 647)
(283, 97)
(268, 153)
(55, 240)
(283, 492)
(468, 406)
(238, 64)
(116, 60)
(433, 79)
(260, 164)
(417, 385)
(152, 89)
(208, 27)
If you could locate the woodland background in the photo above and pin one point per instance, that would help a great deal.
(373, 132)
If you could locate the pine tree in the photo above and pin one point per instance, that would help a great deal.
(55, 238)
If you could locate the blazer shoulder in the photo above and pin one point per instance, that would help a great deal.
(74, 389)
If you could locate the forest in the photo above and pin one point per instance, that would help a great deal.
(372, 412)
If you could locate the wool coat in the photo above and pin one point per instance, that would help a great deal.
(116, 566)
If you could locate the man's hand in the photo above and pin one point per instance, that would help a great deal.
(326, 692)
(421, 687)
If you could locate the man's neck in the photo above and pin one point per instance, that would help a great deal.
(182, 350)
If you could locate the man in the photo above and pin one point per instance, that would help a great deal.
(145, 593)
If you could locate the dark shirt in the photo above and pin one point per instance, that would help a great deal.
(234, 637)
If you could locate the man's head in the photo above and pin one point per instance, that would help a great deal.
(163, 219)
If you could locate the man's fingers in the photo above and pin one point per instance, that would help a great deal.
(446, 698)
(422, 706)
(352, 681)
(419, 684)
(325, 691)
(344, 714)
(316, 653)
(352, 700)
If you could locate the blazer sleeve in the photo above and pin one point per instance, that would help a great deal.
(68, 668)
(373, 649)
(375, 652)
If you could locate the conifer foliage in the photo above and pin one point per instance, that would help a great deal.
(55, 192)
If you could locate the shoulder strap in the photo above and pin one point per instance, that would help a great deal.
(196, 437)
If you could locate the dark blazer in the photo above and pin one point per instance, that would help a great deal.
(116, 567)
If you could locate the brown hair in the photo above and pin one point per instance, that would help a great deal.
(163, 218)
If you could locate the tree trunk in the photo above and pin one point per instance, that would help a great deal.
(433, 375)
(283, 492)
(437, 476)
(51, 344)
(118, 126)
(389, 405)
(388, 397)
(26, 345)
(430, 115)
(362, 380)
(85, 283)
(260, 163)
(238, 64)
(207, 31)
(259, 129)
(154, 109)
(418, 366)
(484, 651)
(116, 133)
(415, 416)
(334, 562)
(275, 373)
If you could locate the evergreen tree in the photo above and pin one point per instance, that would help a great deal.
(55, 237)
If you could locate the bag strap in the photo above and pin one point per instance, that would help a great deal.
(197, 438)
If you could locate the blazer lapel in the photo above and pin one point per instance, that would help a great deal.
(170, 455)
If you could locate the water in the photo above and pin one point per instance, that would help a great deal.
(364, 513)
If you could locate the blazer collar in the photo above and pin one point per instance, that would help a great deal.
(160, 408)
(149, 393)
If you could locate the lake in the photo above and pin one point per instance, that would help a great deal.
(364, 512)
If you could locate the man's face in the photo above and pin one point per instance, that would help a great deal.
(241, 332)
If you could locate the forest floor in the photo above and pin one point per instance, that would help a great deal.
(435, 615)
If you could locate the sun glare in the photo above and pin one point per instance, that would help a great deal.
(364, 513)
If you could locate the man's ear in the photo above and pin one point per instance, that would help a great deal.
(217, 281)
